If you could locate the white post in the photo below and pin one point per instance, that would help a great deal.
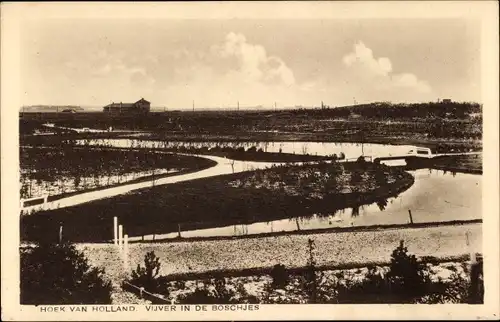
(120, 237)
(60, 233)
(115, 230)
(469, 246)
(125, 252)
(22, 203)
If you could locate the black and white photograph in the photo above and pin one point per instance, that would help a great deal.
(176, 159)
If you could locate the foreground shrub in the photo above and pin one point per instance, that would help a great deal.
(218, 292)
(408, 281)
(373, 289)
(280, 276)
(147, 276)
(59, 274)
(406, 277)
(476, 287)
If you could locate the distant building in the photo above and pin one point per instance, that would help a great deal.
(446, 100)
(140, 107)
(69, 110)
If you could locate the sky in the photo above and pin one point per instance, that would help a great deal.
(220, 62)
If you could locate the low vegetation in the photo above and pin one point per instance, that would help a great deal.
(406, 280)
(147, 276)
(59, 274)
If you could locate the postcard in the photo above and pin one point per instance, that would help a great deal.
(250, 160)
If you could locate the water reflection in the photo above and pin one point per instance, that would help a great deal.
(350, 150)
(354, 212)
(382, 204)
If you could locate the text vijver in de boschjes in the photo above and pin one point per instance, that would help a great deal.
(148, 308)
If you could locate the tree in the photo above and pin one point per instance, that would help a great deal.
(148, 275)
(59, 274)
(356, 179)
(218, 292)
(310, 274)
(406, 275)
(280, 276)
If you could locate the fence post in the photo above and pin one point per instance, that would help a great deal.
(115, 230)
(411, 218)
(472, 254)
(125, 252)
(179, 229)
(60, 233)
(120, 237)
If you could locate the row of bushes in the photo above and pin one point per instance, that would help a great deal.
(407, 280)
(59, 274)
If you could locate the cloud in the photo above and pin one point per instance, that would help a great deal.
(363, 56)
(233, 69)
(376, 74)
(253, 62)
(230, 71)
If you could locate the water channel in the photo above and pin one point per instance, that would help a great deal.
(435, 196)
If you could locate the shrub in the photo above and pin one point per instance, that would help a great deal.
(147, 276)
(406, 275)
(373, 289)
(407, 281)
(280, 276)
(475, 291)
(217, 293)
(59, 274)
(310, 274)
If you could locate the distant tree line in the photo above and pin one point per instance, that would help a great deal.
(381, 110)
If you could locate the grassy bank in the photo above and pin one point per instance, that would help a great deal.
(242, 198)
(460, 163)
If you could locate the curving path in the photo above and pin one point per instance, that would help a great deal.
(224, 166)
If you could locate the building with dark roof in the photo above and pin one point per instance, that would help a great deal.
(140, 107)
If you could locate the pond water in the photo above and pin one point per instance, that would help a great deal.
(436, 196)
(350, 150)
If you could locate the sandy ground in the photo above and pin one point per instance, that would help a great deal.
(291, 250)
